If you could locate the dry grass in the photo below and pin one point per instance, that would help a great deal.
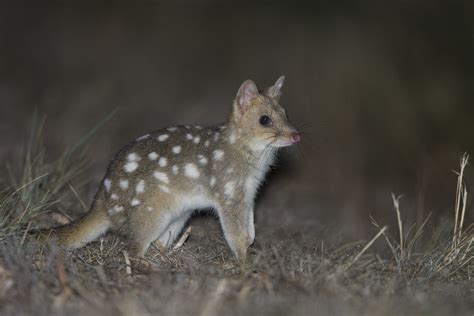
(445, 256)
(42, 184)
(289, 271)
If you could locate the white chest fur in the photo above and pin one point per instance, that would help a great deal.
(257, 175)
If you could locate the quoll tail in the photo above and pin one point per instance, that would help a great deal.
(75, 235)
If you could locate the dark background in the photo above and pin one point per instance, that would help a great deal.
(383, 91)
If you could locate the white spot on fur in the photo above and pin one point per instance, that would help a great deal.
(133, 157)
(163, 162)
(206, 143)
(107, 184)
(176, 149)
(164, 188)
(217, 154)
(153, 155)
(149, 208)
(191, 171)
(114, 197)
(212, 181)
(172, 129)
(216, 136)
(123, 184)
(135, 202)
(196, 140)
(189, 136)
(223, 127)
(140, 188)
(163, 177)
(232, 138)
(187, 126)
(116, 209)
(198, 126)
(175, 169)
(130, 166)
(229, 188)
(202, 159)
(163, 137)
(143, 137)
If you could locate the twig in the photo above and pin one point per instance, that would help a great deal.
(366, 247)
(30, 182)
(77, 196)
(183, 238)
(463, 212)
(468, 248)
(417, 234)
(459, 193)
(128, 266)
(396, 204)
(25, 233)
(18, 221)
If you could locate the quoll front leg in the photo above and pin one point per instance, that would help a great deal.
(235, 225)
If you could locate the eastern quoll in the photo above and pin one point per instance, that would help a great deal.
(154, 183)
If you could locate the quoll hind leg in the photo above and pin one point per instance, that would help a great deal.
(144, 227)
(172, 232)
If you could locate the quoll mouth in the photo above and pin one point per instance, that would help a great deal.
(289, 140)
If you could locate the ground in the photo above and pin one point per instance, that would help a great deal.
(290, 272)
(296, 267)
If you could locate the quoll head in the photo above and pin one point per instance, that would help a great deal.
(261, 118)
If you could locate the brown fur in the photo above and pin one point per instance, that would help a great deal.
(152, 186)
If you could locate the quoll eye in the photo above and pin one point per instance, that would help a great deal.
(265, 120)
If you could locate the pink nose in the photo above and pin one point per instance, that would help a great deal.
(295, 138)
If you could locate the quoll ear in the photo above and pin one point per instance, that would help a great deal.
(275, 90)
(247, 91)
